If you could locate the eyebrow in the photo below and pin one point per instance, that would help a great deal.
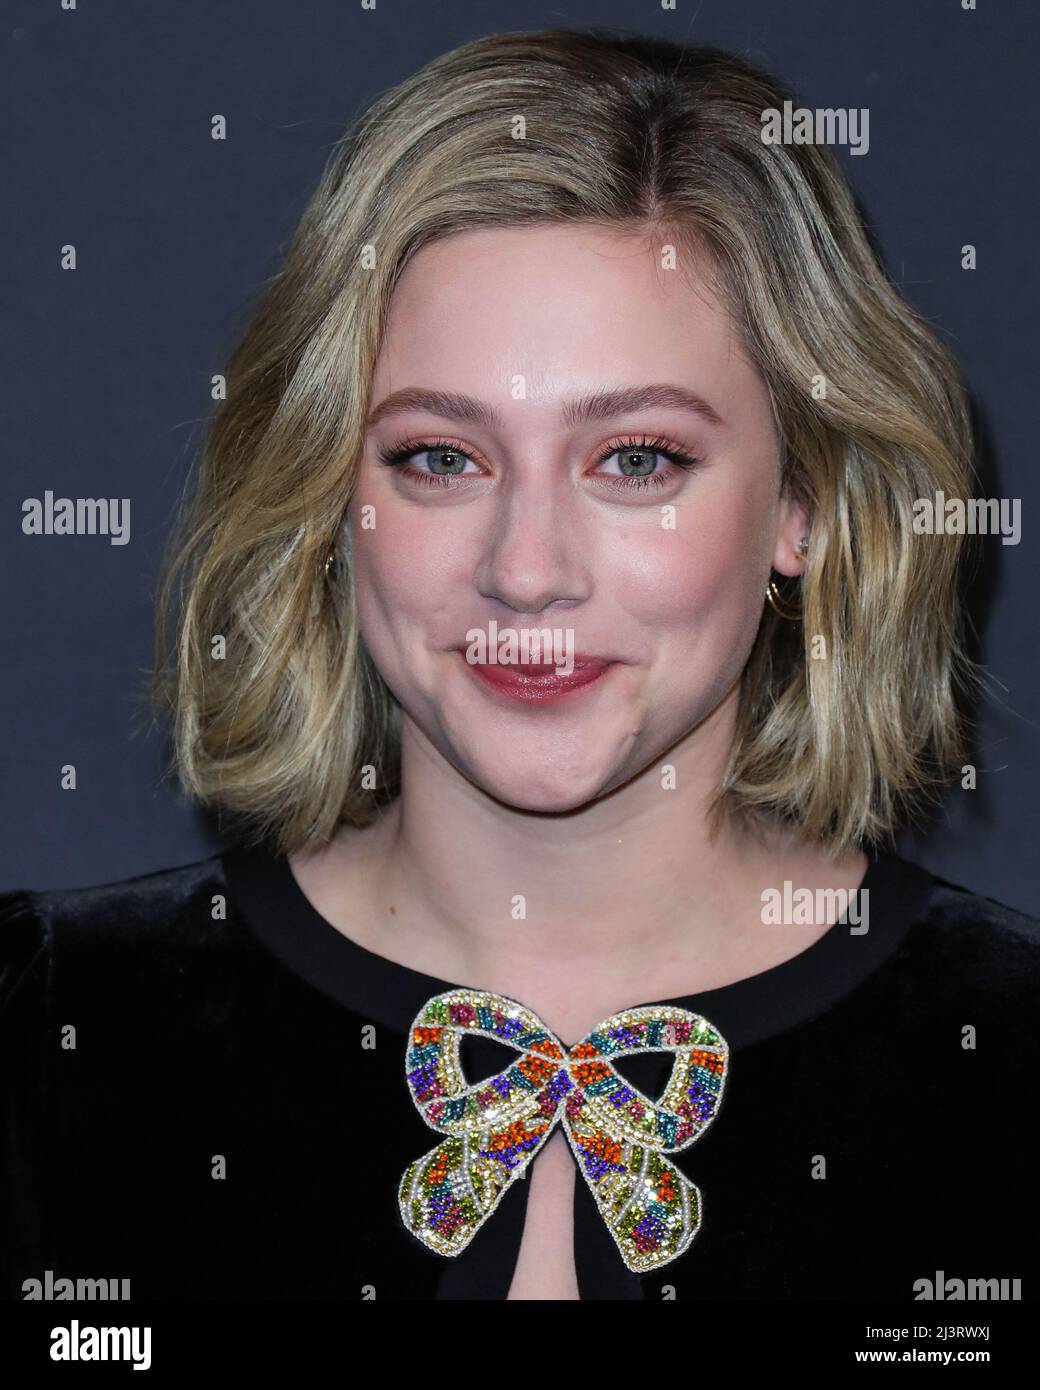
(598, 405)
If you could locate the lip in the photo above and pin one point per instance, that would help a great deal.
(538, 683)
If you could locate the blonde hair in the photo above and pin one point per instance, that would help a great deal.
(632, 134)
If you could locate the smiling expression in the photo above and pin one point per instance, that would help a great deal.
(565, 437)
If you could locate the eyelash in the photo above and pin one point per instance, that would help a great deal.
(396, 456)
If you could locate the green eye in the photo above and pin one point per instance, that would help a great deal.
(637, 463)
(641, 463)
(446, 461)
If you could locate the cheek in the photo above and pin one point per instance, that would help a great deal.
(706, 573)
(407, 567)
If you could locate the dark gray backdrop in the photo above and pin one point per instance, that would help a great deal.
(107, 368)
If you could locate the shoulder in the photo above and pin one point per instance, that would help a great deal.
(41, 930)
(970, 947)
(980, 924)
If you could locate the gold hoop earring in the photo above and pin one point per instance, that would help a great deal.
(775, 600)
(329, 561)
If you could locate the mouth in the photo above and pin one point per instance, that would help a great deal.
(538, 682)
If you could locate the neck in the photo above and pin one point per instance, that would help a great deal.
(461, 886)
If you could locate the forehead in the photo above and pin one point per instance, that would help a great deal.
(563, 307)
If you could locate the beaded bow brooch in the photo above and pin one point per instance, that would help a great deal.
(618, 1136)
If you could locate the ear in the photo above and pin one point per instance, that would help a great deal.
(792, 526)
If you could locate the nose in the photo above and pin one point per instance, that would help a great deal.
(533, 556)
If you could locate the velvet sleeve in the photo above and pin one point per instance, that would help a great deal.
(24, 1028)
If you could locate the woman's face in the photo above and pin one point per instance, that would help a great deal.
(537, 503)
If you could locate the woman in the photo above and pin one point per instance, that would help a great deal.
(551, 618)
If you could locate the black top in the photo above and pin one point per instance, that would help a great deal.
(205, 1092)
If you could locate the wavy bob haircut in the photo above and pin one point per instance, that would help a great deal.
(849, 716)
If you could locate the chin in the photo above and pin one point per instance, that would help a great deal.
(545, 789)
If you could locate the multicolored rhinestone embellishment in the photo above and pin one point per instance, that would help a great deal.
(617, 1135)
